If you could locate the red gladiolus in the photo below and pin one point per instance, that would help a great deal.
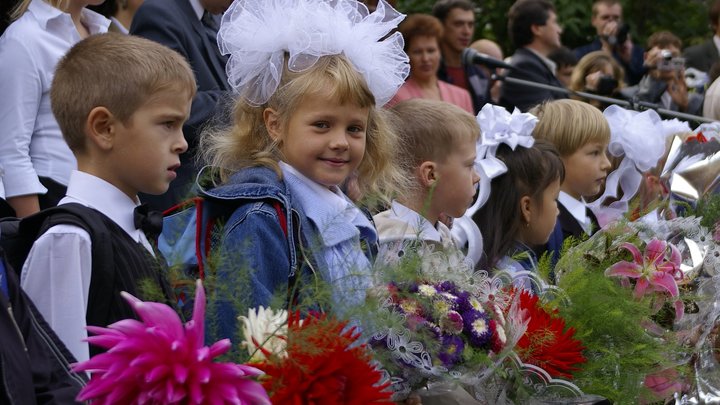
(324, 365)
(546, 342)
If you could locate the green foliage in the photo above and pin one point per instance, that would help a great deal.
(685, 18)
(708, 208)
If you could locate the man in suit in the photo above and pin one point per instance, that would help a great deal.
(534, 30)
(702, 57)
(190, 28)
(458, 19)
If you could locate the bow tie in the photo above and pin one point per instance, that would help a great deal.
(150, 222)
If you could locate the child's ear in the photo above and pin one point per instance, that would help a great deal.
(428, 173)
(526, 208)
(272, 123)
(100, 128)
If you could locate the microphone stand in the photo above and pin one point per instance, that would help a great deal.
(633, 105)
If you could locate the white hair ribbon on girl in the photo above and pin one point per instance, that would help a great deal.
(257, 34)
(640, 138)
(497, 126)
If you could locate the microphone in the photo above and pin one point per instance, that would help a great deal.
(473, 57)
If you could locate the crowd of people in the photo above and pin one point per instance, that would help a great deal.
(111, 108)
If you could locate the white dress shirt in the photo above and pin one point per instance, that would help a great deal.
(31, 143)
(56, 274)
(577, 209)
(198, 8)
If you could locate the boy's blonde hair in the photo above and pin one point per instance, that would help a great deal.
(248, 142)
(118, 72)
(23, 5)
(570, 124)
(431, 130)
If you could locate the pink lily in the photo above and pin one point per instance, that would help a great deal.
(159, 361)
(657, 271)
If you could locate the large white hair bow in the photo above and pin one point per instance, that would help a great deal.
(258, 33)
(640, 138)
(497, 126)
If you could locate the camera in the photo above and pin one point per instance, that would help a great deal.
(667, 62)
(606, 86)
(620, 37)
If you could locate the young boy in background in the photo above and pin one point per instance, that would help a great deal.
(439, 156)
(581, 135)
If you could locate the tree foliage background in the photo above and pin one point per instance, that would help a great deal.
(688, 19)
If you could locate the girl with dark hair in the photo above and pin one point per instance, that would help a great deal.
(521, 211)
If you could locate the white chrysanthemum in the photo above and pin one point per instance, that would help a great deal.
(266, 327)
(427, 290)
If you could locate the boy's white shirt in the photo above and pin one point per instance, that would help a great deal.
(56, 274)
(577, 208)
(415, 226)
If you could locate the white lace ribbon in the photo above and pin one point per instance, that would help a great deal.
(258, 33)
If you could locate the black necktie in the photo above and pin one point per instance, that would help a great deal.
(150, 222)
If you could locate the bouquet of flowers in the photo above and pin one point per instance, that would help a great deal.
(315, 359)
(437, 327)
(630, 290)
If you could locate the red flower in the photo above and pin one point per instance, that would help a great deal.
(546, 343)
(324, 365)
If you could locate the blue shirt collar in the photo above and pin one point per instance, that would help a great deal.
(336, 217)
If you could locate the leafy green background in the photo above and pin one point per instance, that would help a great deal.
(685, 18)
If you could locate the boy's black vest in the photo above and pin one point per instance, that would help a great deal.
(118, 262)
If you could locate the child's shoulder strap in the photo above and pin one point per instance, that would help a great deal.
(18, 235)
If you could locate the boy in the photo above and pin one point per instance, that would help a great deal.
(439, 156)
(125, 130)
(581, 135)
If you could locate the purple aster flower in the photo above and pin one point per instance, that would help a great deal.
(477, 327)
(448, 286)
(451, 349)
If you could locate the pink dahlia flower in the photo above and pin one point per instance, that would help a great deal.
(159, 361)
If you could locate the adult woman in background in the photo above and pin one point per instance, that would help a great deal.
(597, 73)
(422, 33)
(36, 160)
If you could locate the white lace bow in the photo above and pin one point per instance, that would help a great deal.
(258, 33)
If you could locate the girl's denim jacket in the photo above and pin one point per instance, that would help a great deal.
(259, 261)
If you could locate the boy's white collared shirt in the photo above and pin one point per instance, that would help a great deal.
(577, 209)
(57, 272)
(417, 226)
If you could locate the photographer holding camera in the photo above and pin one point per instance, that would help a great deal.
(597, 73)
(613, 37)
(664, 84)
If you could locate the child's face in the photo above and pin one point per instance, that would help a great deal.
(456, 179)
(543, 215)
(325, 141)
(146, 150)
(585, 170)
